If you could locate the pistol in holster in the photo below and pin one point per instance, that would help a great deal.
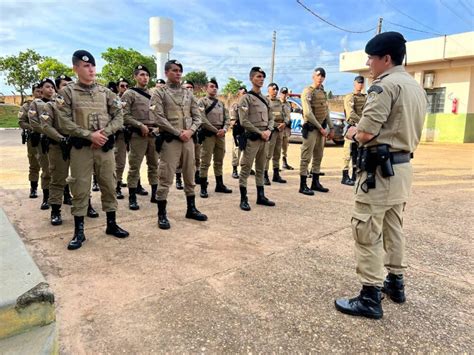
(44, 144)
(306, 128)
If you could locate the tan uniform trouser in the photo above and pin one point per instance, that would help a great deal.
(236, 153)
(346, 158)
(170, 156)
(59, 171)
(44, 163)
(379, 241)
(197, 159)
(285, 141)
(34, 165)
(83, 162)
(312, 147)
(255, 150)
(139, 148)
(212, 147)
(120, 152)
(274, 149)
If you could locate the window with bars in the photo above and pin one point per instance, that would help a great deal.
(436, 98)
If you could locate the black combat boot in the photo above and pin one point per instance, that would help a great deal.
(45, 204)
(118, 191)
(252, 172)
(367, 304)
(286, 165)
(56, 219)
(91, 212)
(153, 199)
(235, 173)
(277, 177)
(67, 198)
(79, 236)
(140, 190)
(203, 183)
(197, 178)
(33, 189)
(179, 181)
(394, 288)
(316, 186)
(192, 212)
(220, 187)
(261, 199)
(132, 199)
(113, 228)
(354, 175)
(163, 222)
(346, 180)
(266, 179)
(95, 185)
(244, 201)
(123, 184)
(304, 189)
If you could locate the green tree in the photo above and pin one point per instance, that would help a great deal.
(21, 71)
(52, 68)
(121, 62)
(199, 79)
(330, 95)
(232, 86)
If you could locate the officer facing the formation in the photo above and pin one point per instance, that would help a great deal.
(274, 144)
(353, 105)
(178, 116)
(388, 133)
(215, 123)
(24, 123)
(136, 108)
(316, 119)
(36, 108)
(256, 118)
(236, 131)
(285, 142)
(90, 114)
(120, 150)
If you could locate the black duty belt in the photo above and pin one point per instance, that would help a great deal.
(400, 157)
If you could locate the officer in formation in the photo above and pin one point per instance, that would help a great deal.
(234, 117)
(187, 84)
(281, 119)
(91, 115)
(136, 103)
(177, 114)
(215, 122)
(24, 123)
(387, 134)
(316, 119)
(287, 130)
(256, 118)
(120, 150)
(353, 105)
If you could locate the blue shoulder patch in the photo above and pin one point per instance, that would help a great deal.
(375, 88)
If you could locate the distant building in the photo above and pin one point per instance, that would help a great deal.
(444, 66)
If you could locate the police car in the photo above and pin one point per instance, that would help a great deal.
(338, 120)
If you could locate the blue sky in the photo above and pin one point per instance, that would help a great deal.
(226, 37)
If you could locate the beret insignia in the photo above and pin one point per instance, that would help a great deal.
(85, 58)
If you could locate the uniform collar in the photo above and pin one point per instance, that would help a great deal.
(395, 69)
(172, 85)
(85, 86)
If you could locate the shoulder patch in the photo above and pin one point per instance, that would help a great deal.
(20, 113)
(45, 117)
(375, 88)
(152, 107)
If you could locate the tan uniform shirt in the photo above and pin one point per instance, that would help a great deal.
(34, 112)
(254, 115)
(217, 118)
(315, 106)
(49, 119)
(175, 109)
(353, 106)
(234, 113)
(136, 109)
(278, 112)
(287, 109)
(89, 108)
(23, 120)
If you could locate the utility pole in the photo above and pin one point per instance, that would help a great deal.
(273, 55)
(379, 25)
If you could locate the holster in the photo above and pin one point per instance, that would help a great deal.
(24, 136)
(202, 133)
(78, 143)
(35, 139)
(161, 138)
(306, 128)
(44, 144)
(65, 146)
(109, 144)
(369, 158)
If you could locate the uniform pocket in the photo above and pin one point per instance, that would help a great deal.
(362, 227)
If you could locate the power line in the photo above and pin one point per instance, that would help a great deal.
(329, 23)
(413, 29)
(455, 13)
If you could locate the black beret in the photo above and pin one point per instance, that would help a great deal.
(360, 79)
(57, 81)
(274, 85)
(321, 71)
(85, 56)
(284, 90)
(112, 86)
(160, 81)
(214, 82)
(256, 70)
(391, 43)
(175, 62)
(35, 86)
(47, 80)
(188, 82)
(124, 80)
(142, 67)
(242, 88)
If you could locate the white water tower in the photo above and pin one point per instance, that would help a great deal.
(161, 40)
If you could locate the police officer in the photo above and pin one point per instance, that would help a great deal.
(388, 133)
(234, 117)
(256, 118)
(24, 123)
(215, 122)
(120, 150)
(353, 105)
(90, 114)
(36, 108)
(316, 118)
(178, 116)
(274, 144)
(136, 115)
(287, 130)
(188, 84)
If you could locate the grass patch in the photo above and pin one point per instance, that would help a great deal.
(9, 116)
